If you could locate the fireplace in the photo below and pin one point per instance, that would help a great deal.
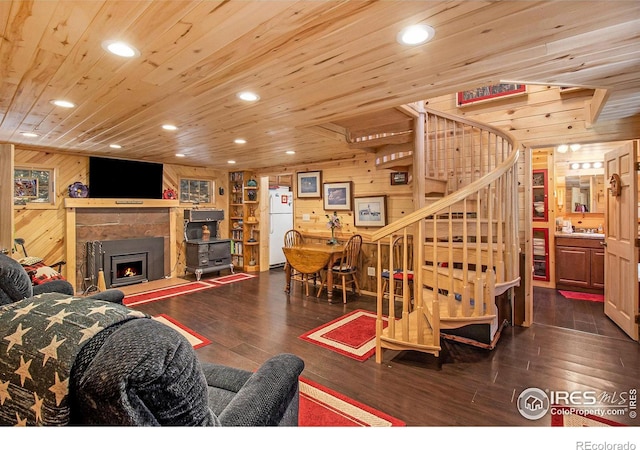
(129, 269)
(128, 261)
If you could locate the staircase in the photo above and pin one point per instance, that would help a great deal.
(465, 236)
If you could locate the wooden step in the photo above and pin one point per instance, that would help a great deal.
(457, 252)
(457, 228)
(392, 336)
(452, 315)
(434, 186)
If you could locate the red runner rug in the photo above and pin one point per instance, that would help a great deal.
(231, 278)
(323, 407)
(195, 339)
(181, 289)
(582, 296)
(352, 335)
(160, 294)
(564, 416)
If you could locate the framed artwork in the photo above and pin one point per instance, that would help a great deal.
(493, 92)
(399, 178)
(370, 211)
(309, 184)
(337, 196)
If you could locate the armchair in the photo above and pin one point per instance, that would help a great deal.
(132, 371)
(15, 284)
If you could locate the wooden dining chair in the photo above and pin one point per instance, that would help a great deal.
(291, 239)
(397, 249)
(347, 267)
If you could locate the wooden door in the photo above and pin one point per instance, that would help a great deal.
(621, 254)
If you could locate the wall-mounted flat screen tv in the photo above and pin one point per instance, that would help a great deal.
(120, 178)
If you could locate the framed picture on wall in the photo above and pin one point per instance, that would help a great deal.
(493, 92)
(309, 184)
(337, 196)
(370, 211)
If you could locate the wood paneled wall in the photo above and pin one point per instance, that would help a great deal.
(43, 227)
(6, 196)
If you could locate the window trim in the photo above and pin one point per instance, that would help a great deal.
(53, 197)
(212, 187)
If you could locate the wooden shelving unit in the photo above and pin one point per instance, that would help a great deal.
(244, 226)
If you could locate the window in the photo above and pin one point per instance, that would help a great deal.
(33, 186)
(196, 191)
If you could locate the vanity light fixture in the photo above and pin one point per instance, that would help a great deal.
(120, 48)
(575, 147)
(240, 141)
(416, 34)
(562, 148)
(248, 96)
(169, 127)
(586, 165)
(63, 103)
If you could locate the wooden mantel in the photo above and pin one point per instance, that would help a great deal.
(73, 204)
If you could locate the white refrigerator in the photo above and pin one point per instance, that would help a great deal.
(280, 221)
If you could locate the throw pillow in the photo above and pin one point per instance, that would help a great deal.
(40, 273)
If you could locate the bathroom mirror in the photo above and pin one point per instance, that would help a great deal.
(584, 194)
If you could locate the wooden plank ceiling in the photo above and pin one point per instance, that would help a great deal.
(321, 66)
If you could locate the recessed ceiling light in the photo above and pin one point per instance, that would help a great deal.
(562, 148)
(248, 96)
(169, 127)
(290, 152)
(120, 48)
(29, 134)
(240, 141)
(416, 34)
(180, 155)
(231, 161)
(63, 103)
(115, 146)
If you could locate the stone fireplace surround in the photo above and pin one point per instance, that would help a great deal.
(115, 219)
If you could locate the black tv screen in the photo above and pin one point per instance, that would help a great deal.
(120, 178)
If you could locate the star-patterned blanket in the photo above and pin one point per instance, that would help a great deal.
(39, 340)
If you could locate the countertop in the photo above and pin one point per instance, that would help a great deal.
(580, 235)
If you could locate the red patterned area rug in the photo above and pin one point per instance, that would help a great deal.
(563, 416)
(582, 296)
(352, 335)
(323, 407)
(161, 294)
(231, 278)
(195, 339)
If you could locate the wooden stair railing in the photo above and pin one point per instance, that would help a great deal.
(465, 244)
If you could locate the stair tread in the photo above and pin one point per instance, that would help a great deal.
(447, 319)
(430, 342)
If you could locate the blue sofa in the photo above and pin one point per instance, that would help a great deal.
(94, 362)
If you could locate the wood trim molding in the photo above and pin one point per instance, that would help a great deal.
(72, 204)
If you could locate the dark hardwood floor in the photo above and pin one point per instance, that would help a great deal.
(551, 308)
(251, 320)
